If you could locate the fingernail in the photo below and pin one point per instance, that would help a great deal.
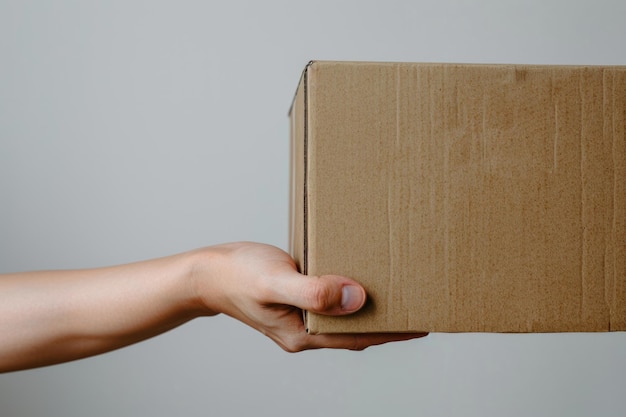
(351, 298)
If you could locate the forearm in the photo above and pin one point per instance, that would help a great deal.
(54, 316)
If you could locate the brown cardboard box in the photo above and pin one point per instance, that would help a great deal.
(485, 198)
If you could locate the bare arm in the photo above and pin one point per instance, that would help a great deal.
(49, 317)
(53, 316)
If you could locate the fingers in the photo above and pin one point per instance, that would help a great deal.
(362, 341)
(328, 294)
(350, 341)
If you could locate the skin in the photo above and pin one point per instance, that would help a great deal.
(48, 317)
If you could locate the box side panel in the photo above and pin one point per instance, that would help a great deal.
(297, 186)
(470, 198)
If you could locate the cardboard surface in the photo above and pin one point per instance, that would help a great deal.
(485, 198)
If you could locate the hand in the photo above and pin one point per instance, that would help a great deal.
(260, 286)
(49, 317)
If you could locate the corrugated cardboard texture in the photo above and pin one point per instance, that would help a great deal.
(464, 197)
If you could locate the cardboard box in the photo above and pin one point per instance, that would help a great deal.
(465, 198)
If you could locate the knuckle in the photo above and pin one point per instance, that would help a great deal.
(293, 345)
(319, 296)
(357, 344)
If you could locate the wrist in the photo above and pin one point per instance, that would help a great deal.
(202, 281)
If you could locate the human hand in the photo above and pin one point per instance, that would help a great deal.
(259, 285)
(49, 317)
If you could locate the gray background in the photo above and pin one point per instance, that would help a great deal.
(131, 130)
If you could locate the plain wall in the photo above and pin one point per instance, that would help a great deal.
(131, 130)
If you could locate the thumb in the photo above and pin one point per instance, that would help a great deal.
(328, 294)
